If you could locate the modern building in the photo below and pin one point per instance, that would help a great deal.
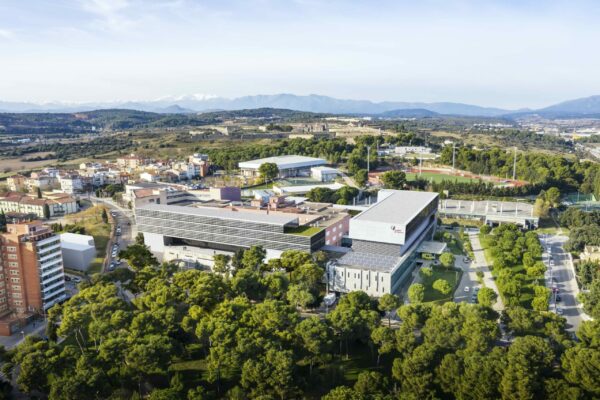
(289, 166)
(402, 150)
(31, 271)
(140, 194)
(324, 174)
(491, 212)
(385, 243)
(78, 251)
(225, 228)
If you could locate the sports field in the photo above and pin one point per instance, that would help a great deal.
(437, 177)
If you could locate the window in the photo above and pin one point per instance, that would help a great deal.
(14, 271)
(14, 280)
(12, 256)
(11, 249)
(2, 299)
(13, 264)
(18, 302)
(16, 295)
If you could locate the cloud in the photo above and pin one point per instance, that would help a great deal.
(6, 34)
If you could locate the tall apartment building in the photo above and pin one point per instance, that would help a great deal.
(31, 272)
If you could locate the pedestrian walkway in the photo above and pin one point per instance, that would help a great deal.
(480, 264)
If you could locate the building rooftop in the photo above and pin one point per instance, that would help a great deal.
(284, 162)
(371, 261)
(487, 208)
(397, 206)
(432, 247)
(230, 213)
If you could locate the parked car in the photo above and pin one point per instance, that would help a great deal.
(560, 311)
(467, 289)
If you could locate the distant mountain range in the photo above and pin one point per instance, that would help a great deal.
(589, 106)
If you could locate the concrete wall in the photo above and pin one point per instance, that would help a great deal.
(78, 259)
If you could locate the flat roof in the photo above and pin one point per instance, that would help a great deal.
(397, 206)
(284, 162)
(432, 247)
(488, 208)
(229, 213)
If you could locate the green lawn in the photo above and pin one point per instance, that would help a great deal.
(304, 230)
(437, 177)
(451, 275)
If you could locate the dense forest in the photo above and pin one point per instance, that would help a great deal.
(92, 121)
(240, 334)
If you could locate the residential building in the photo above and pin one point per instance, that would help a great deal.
(131, 162)
(149, 177)
(289, 166)
(70, 183)
(32, 273)
(78, 251)
(385, 243)
(16, 183)
(40, 180)
(58, 204)
(200, 163)
(159, 193)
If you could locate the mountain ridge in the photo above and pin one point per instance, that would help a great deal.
(307, 103)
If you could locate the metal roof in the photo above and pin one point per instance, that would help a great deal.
(397, 207)
(284, 162)
(224, 213)
(370, 261)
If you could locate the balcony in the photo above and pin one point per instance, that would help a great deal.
(47, 272)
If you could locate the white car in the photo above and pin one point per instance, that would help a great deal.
(467, 289)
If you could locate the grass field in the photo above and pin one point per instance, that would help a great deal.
(437, 177)
(450, 275)
(91, 220)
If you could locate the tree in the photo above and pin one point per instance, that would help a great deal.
(104, 216)
(371, 385)
(139, 239)
(271, 374)
(254, 257)
(393, 179)
(248, 282)
(442, 286)
(268, 171)
(46, 211)
(138, 256)
(299, 296)
(528, 361)
(552, 197)
(580, 366)
(591, 299)
(416, 293)
(342, 393)
(221, 264)
(536, 270)
(447, 260)
(354, 318)
(487, 297)
(385, 339)
(39, 193)
(361, 177)
(388, 303)
(315, 341)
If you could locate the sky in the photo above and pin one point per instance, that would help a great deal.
(507, 53)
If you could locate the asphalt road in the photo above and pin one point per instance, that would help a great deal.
(124, 218)
(560, 274)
